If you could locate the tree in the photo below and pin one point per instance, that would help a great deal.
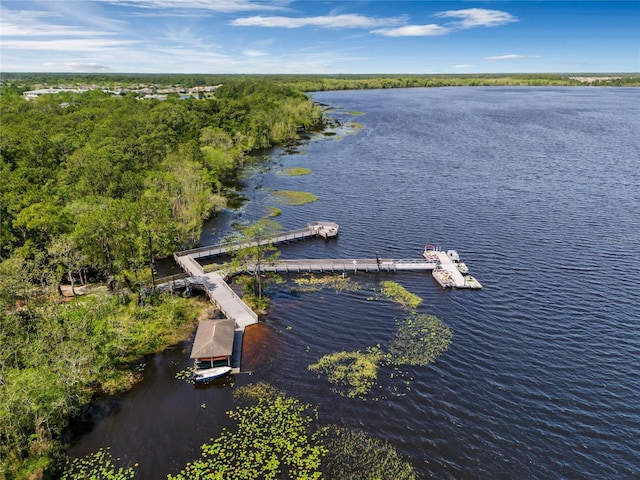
(254, 249)
(69, 259)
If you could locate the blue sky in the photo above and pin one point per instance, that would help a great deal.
(320, 37)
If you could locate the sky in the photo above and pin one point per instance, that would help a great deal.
(319, 37)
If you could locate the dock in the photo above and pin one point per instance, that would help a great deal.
(321, 229)
(445, 267)
(345, 265)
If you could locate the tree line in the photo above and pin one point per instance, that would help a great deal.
(94, 188)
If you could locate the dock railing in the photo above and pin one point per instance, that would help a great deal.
(321, 228)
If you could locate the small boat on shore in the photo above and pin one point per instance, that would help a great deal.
(205, 374)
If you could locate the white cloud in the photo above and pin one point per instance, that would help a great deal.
(254, 53)
(464, 65)
(470, 17)
(225, 6)
(478, 17)
(431, 30)
(23, 23)
(73, 45)
(75, 66)
(510, 57)
(329, 21)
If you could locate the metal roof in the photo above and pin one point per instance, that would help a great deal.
(214, 338)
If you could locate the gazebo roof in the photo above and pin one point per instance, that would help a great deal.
(214, 338)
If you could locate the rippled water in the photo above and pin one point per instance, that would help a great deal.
(539, 191)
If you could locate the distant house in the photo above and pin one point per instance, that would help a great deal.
(31, 94)
(213, 344)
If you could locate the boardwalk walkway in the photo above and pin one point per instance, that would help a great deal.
(314, 229)
(345, 265)
(443, 268)
(214, 284)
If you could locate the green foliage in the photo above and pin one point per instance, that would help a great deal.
(273, 439)
(295, 171)
(313, 283)
(273, 212)
(356, 455)
(397, 293)
(290, 197)
(352, 373)
(97, 466)
(99, 188)
(130, 180)
(419, 340)
(53, 357)
(254, 250)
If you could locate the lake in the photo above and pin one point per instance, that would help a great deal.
(538, 189)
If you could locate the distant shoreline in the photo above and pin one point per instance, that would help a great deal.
(156, 84)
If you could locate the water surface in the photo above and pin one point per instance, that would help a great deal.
(539, 191)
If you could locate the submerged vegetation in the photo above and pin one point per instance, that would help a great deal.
(419, 340)
(100, 466)
(289, 197)
(396, 292)
(295, 171)
(275, 435)
(356, 455)
(313, 283)
(353, 374)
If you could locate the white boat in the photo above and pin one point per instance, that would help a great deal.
(210, 373)
(430, 253)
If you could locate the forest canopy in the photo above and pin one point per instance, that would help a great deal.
(94, 188)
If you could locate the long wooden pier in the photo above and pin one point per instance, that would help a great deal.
(344, 265)
(444, 268)
(314, 229)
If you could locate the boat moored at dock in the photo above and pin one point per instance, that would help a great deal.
(205, 374)
(449, 271)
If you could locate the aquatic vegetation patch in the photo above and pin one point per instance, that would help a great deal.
(273, 439)
(419, 340)
(290, 197)
(273, 212)
(99, 465)
(355, 112)
(270, 226)
(397, 293)
(353, 127)
(313, 283)
(353, 374)
(255, 392)
(354, 454)
(187, 375)
(294, 172)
